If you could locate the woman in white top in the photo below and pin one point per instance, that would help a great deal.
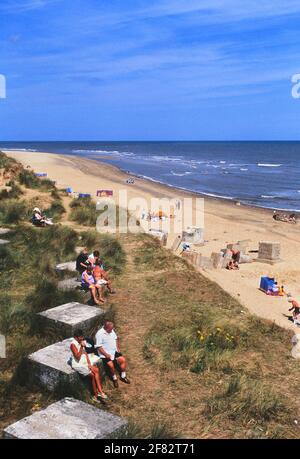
(85, 364)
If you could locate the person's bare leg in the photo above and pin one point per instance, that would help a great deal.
(93, 292)
(122, 364)
(112, 370)
(109, 286)
(94, 385)
(100, 292)
(98, 380)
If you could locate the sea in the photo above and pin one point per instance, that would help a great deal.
(262, 174)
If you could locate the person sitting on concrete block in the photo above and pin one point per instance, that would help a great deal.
(85, 364)
(93, 257)
(101, 277)
(108, 346)
(88, 283)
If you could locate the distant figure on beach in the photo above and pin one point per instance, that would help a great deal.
(82, 261)
(88, 283)
(295, 310)
(108, 346)
(84, 363)
(101, 277)
(234, 262)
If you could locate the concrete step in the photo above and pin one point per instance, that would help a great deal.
(50, 367)
(68, 419)
(65, 319)
(69, 284)
(67, 266)
(4, 230)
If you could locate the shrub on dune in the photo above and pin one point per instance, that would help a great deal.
(13, 211)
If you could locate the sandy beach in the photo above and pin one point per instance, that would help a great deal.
(224, 223)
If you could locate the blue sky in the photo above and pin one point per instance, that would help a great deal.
(149, 69)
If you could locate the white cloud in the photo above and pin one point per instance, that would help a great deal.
(12, 6)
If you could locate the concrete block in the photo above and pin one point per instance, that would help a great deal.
(68, 266)
(269, 250)
(193, 235)
(198, 260)
(50, 367)
(69, 284)
(68, 419)
(176, 243)
(65, 319)
(161, 235)
(217, 259)
(4, 230)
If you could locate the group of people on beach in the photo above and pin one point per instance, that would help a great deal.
(94, 278)
(104, 346)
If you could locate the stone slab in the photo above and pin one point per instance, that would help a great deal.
(67, 266)
(69, 284)
(176, 243)
(161, 235)
(193, 235)
(68, 419)
(66, 318)
(269, 250)
(50, 367)
(4, 230)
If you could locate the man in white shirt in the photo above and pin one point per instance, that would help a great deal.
(108, 347)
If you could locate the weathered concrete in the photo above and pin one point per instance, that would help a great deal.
(4, 230)
(217, 259)
(68, 419)
(161, 235)
(68, 266)
(176, 243)
(193, 235)
(69, 284)
(269, 252)
(65, 319)
(50, 367)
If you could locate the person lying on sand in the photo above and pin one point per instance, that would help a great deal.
(85, 364)
(101, 277)
(88, 282)
(108, 346)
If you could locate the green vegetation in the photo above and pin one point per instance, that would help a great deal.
(83, 211)
(30, 180)
(13, 211)
(12, 193)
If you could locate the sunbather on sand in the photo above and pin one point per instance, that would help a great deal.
(101, 277)
(88, 282)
